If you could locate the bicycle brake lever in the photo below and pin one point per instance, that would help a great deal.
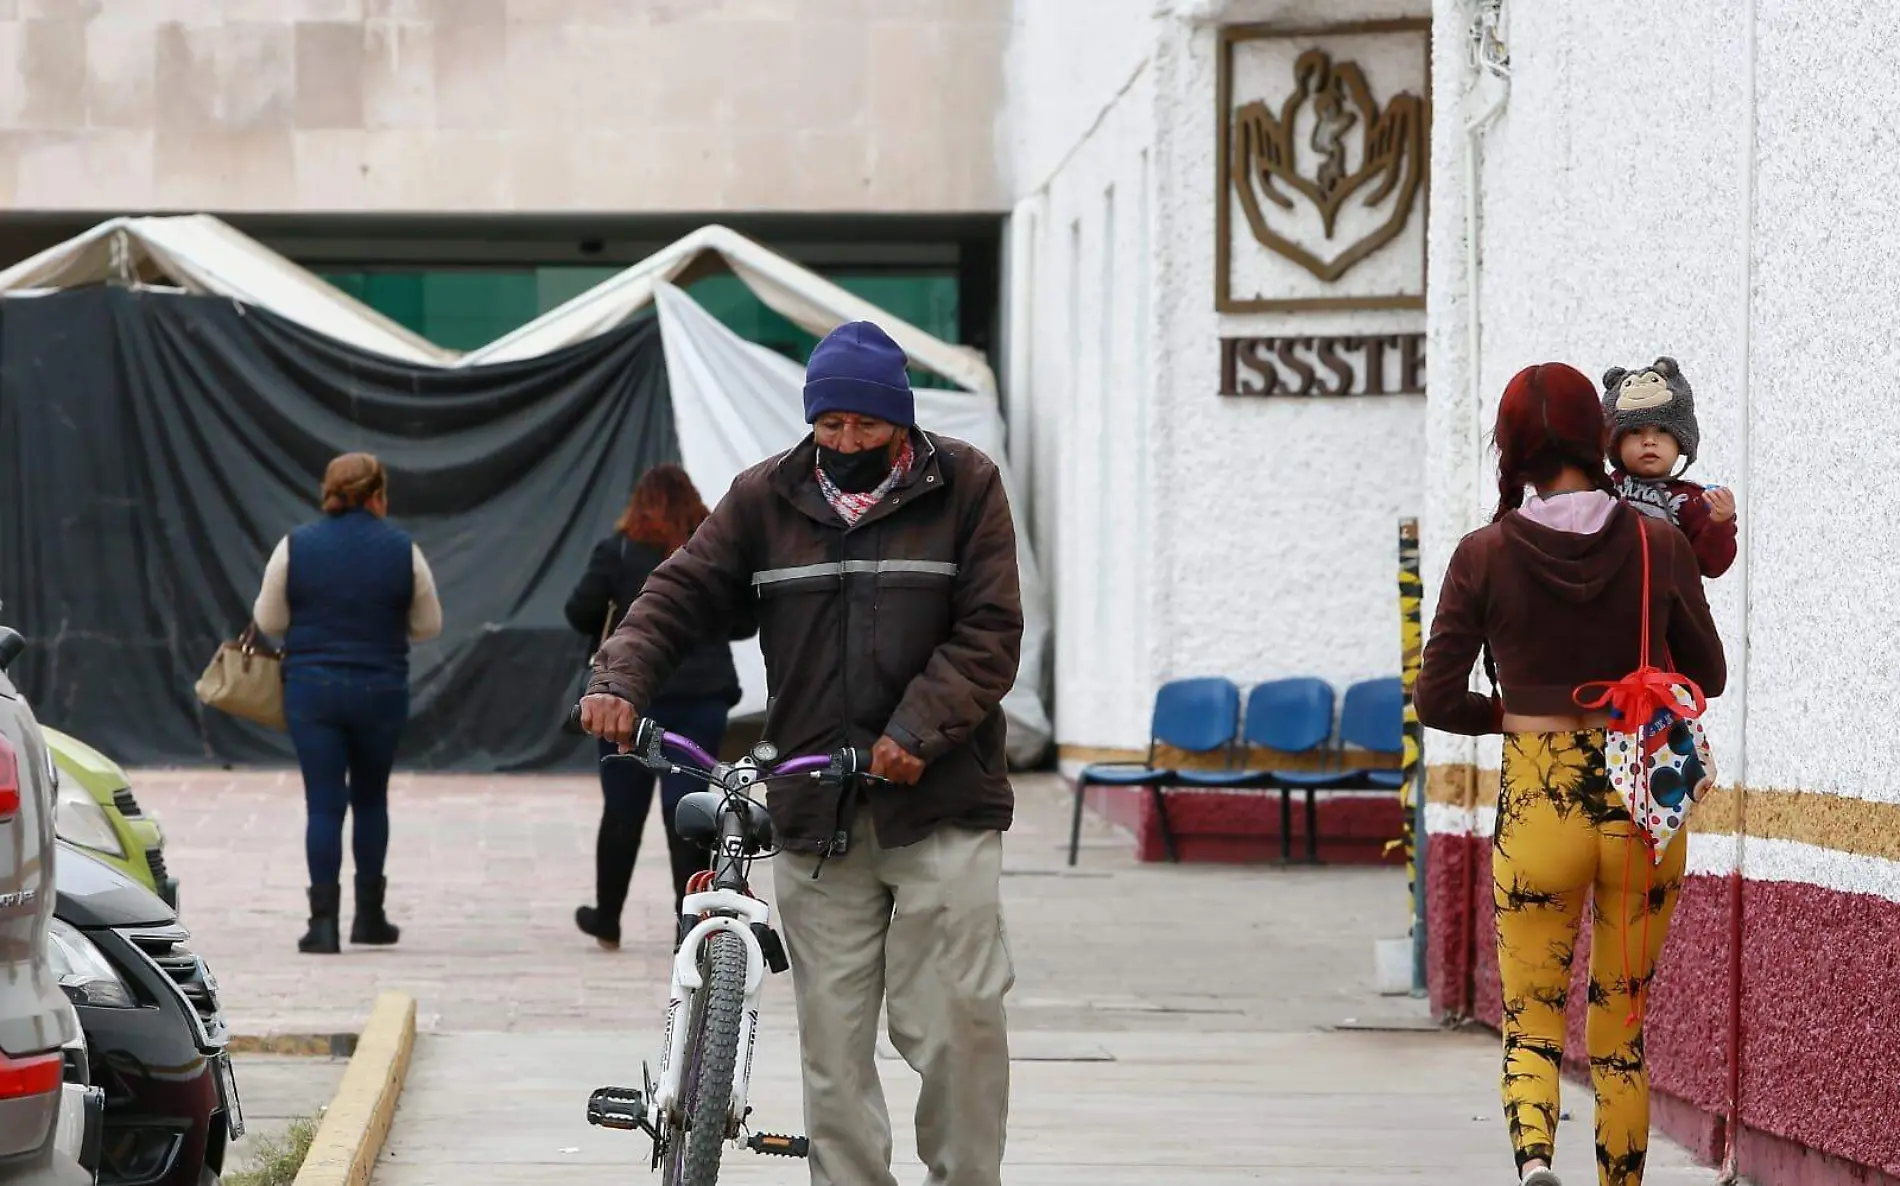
(653, 757)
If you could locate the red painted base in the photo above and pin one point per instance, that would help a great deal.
(1820, 1048)
(1241, 828)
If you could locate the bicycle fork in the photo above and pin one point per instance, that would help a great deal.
(655, 1109)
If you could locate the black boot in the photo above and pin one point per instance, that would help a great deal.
(370, 926)
(325, 903)
(616, 846)
(589, 920)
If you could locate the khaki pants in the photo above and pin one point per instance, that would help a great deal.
(921, 928)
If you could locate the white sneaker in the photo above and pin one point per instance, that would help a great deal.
(1542, 1177)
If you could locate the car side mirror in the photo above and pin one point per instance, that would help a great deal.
(11, 644)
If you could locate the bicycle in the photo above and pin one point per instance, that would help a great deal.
(724, 947)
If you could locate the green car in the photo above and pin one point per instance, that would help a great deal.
(98, 813)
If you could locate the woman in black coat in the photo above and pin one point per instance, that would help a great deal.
(665, 509)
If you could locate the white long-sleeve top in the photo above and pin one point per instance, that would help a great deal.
(272, 609)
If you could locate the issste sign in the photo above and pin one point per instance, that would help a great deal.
(1355, 364)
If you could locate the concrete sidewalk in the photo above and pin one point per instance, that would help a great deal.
(1171, 1024)
(1297, 1108)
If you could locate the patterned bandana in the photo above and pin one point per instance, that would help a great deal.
(852, 507)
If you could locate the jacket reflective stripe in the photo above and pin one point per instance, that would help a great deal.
(774, 576)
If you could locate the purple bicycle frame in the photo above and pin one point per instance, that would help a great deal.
(804, 764)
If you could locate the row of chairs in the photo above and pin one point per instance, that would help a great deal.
(1286, 716)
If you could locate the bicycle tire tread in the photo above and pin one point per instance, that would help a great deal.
(719, 1049)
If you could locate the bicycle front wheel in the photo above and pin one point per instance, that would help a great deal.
(712, 1055)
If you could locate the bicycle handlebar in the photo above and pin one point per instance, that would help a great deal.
(649, 738)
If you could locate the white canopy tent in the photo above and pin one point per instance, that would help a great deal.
(204, 255)
(734, 402)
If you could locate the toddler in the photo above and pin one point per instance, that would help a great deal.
(1651, 416)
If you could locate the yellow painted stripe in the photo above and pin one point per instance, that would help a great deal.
(1862, 827)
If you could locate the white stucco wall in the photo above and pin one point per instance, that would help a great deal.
(1187, 533)
(1619, 223)
(1066, 62)
(1611, 233)
(1824, 664)
(1081, 398)
(1276, 524)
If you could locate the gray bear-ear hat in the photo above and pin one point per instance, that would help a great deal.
(1656, 394)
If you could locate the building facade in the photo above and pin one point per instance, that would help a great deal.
(502, 106)
(1726, 212)
(1223, 441)
(1732, 217)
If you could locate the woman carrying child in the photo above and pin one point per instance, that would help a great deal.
(1553, 590)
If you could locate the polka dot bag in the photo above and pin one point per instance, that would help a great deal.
(1657, 751)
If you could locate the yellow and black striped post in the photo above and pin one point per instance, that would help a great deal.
(1411, 791)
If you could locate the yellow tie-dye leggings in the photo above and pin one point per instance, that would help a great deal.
(1562, 835)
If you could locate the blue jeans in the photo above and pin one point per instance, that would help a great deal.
(627, 792)
(345, 728)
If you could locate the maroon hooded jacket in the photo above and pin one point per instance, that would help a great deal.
(1560, 610)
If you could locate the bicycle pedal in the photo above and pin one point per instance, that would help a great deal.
(775, 1145)
(621, 1108)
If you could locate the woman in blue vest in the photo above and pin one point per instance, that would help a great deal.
(348, 594)
(665, 509)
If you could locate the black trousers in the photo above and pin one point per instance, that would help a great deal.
(627, 797)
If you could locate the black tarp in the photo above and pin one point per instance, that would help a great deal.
(156, 446)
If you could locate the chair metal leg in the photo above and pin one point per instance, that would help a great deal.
(1312, 827)
(1286, 825)
(1167, 827)
(1075, 823)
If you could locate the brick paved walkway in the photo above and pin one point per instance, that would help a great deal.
(485, 873)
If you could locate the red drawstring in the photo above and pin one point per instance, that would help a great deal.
(1639, 695)
(1634, 700)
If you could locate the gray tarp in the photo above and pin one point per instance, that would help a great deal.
(153, 448)
(729, 409)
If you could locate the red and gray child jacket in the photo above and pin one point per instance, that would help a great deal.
(1681, 503)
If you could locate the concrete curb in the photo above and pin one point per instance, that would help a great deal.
(351, 1135)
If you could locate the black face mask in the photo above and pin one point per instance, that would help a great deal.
(855, 473)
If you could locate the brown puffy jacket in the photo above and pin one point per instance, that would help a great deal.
(908, 624)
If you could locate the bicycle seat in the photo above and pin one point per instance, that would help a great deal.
(696, 819)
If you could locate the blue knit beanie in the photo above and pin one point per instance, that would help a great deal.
(857, 368)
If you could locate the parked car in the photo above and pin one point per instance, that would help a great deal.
(150, 1010)
(36, 1023)
(98, 812)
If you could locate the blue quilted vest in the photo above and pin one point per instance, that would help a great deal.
(352, 577)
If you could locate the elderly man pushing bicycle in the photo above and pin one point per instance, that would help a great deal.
(880, 562)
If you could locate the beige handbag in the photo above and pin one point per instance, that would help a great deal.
(246, 679)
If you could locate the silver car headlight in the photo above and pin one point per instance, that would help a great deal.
(80, 820)
(84, 972)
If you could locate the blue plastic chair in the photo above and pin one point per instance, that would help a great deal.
(1288, 716)
(1371, 718)
(1199, 716)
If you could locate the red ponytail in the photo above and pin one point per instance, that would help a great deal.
(1551, 417)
